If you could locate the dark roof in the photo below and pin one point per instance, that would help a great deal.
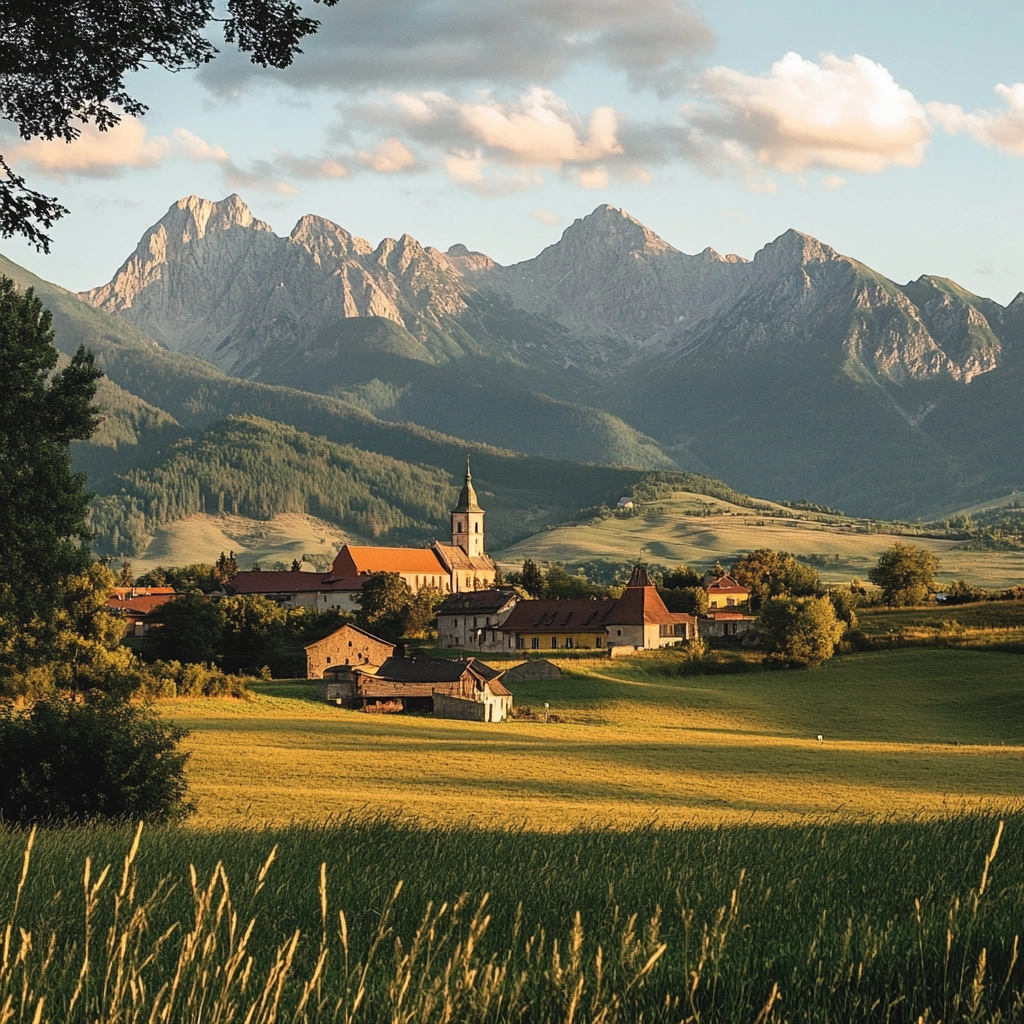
(639, 578)
(467, 497)
(423, 670)
(354, 629)
(456, 560)
(140, 605)
(476, 601)
(582, 613)
(726, 585)
(287, 582)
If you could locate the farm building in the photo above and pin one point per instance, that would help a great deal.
(725, 622)
(134, 605)
(638, 619)
(464, 689)
(474, 620)
(725, 592)
(299, 589)
(348, 646)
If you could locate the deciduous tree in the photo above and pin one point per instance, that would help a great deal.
(905, 573)
(384, 606)
(768, 573)
(798, 632)
(188, 629)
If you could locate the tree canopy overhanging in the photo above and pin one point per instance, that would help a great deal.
(63, 64)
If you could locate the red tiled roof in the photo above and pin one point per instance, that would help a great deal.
(725, 585)
(356, 561)
(640, 605)
(138, 605)
(123, 592)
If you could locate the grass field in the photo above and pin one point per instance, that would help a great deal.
(677, 536)
(905, 732)
(201, 538)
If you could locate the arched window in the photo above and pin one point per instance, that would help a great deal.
(458, 527)
(476, 527)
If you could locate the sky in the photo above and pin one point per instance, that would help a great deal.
(893, 130)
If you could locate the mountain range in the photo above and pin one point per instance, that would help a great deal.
(799, 374)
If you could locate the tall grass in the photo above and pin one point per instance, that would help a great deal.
(380, 920)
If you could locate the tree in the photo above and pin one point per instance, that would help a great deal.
(43, 505)
(384, 606)
(64, 64)
(845, 603)
(253, 633)
(125, 577)
(798, 632)
(226, 568)
(905, 573)
(532, 581)
(681, 578)
(188, 629)
(83, 759)
(421, 618)
(768, 574)
(693, 600)
(559, 583)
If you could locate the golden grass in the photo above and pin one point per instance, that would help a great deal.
(636, 745)
(677, 536)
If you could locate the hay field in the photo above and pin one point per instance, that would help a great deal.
(906, 732)
(677, 535)
(201, 538)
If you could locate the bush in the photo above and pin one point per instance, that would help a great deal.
(87, 759)
(798, 632)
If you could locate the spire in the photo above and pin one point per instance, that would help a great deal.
(467, 498)
(639, 578)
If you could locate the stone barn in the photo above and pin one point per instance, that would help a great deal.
(349, 646)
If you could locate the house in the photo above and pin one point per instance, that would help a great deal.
(348, 646)
(624, 502)
(464, 689)
(725, 622)
(474, 620)
(638, 619)
(453, 568)
(725, 592)
(299, 589)
(134, 605)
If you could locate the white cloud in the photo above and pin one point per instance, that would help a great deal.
(842, 114)
(126, 146)
(1003, 130)
(833, 182)
(545, 217)
(593, 177)
(94, 153)
(391, 156)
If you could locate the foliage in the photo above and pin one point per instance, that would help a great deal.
(818, 921)
(844, 601)
(65, 65)
(962, 592)
(798, 632)
(770, 574)
(905, 574)
(384, 606)
(43, 505)
(558, 583)
(693, 600)
(681, 577)
(198, 576)
(97, 757)
(421, 616)
(532, 580)
(225, 568)
(187, 629)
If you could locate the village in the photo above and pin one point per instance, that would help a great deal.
(478, 616)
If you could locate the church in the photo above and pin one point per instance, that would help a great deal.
(463, 565)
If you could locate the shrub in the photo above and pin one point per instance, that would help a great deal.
(98, 757)
(798, 632)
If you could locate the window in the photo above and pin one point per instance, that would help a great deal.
(731, 602)
(350, 643)
(476, 527)
(534, 642)
(568, 641)
(554, 642)
(618, 632)
(455, 622)
(597, 641)
(458, 527)
(328, 660)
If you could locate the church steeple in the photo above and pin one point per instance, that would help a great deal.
(468, 519)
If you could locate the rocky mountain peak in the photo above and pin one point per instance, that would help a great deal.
(195, 217)
(793, 248)
(468, 261)
(611, 227)
(326, 242)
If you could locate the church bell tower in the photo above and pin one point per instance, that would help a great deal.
(468, 519)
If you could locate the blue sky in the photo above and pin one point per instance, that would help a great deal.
(877, 127)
